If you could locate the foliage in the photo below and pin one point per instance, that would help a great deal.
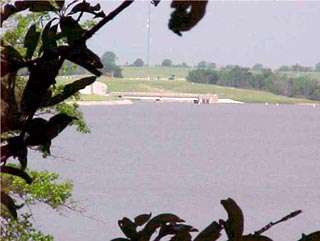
(166, 63)
(257, 67)
(109, 64)
(204, 64)
(317, 67)
(143, 227)
(57, 36)
(22, 230)
(265, 79)
(45, 188)
(138, 62)
(205, 76)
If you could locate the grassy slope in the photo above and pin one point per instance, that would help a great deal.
(180, 86)
(154, 72)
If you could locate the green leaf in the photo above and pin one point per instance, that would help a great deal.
(142, 219)
(31, 40)
(210, 233)
(234, 225)
(16, 172)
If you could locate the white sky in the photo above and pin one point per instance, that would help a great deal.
(244, 33)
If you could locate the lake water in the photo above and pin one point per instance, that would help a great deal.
(185, 158)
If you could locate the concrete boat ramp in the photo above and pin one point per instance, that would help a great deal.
(173, 97)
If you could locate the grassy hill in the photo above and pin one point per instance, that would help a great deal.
(181, 86)
(154, 72)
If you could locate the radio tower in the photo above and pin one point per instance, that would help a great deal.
(148, 34)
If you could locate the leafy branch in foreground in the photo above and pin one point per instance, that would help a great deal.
(144, 228)
(45, 188)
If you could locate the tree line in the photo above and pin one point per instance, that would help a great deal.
(264, 79)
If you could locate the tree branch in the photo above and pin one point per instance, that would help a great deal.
(271, 224)
(88, 34)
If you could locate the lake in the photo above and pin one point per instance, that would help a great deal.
(185, 158)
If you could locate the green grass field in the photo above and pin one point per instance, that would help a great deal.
(181, 86)
(154, 72)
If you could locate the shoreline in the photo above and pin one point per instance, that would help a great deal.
(222, 101)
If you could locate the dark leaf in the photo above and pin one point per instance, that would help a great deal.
(23, 157)
(85, 58)
(142, 219)
(128, 227)
(155, 2)
(120, 239)
(49, 36)
(16, 172)
(71, 29)
(69, 90)
(18, 149)
(210, 233)
(181, 236)
(11, 60)
(6, 12)
(253, 237)
(60, 3)
(36, 129)
(157, 222)
(42, 76)
(8, 202)
(35, 6)
(174, 229)
(57, 124)
(9, 105)
(186, 14)
(31, 41)
(45, 149)
(86, 7)
(311, 237)
(234, 225)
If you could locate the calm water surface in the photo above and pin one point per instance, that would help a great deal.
(185, 158)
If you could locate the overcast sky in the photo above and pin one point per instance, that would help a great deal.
(243, 33)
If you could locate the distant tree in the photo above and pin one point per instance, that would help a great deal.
(300, 68)
(166, 63)
(257, 67)
(202, 64)
(204, 76)
(317, 67)
(138, 62)
(184, 64)
(284, 68)
(212, 65)
(108, 60)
